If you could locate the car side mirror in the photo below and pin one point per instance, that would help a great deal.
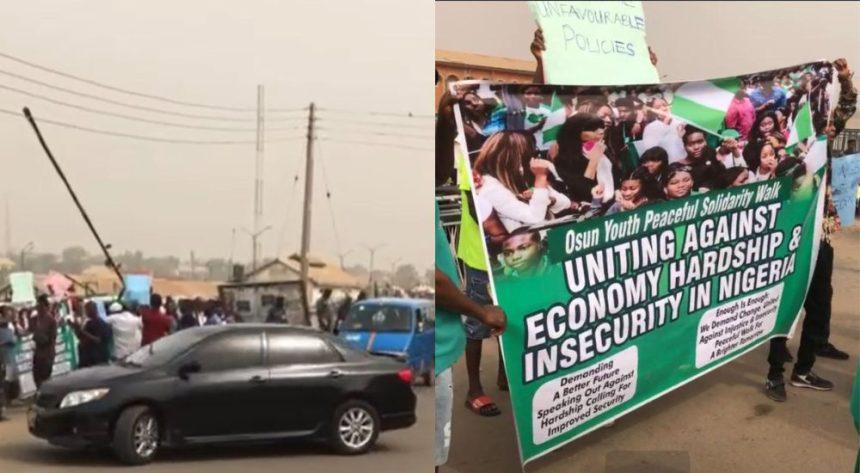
(186, 369)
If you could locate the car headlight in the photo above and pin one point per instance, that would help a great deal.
(75, 398)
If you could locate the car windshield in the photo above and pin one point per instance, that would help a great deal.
(164, 349)
(378, 317)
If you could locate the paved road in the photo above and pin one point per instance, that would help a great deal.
(719, 423)
(397, 451)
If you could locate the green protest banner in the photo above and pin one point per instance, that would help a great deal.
(594, 43)
(65, 358)
(625, 275)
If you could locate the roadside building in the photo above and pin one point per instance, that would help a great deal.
(259, 291)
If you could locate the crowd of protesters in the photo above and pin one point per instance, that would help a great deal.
(105, 334)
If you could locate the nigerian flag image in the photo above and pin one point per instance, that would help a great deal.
(704, 103)
(554, 121)
(801, 127)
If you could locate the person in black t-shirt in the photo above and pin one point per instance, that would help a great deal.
(93, 338)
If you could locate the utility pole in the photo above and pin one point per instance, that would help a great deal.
(258, 177)
(342, 257)
(255, 238)
(372, 250)
(232, 249)
(192, 264)
(26, 249)
(8, 241)
(306, 218)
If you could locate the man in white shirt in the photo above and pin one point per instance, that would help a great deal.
(127, 331)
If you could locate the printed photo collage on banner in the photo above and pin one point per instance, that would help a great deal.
(620, 220)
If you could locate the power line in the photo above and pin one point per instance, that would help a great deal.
(140, 119)
(381, 114)
(289, 205)
(371, 143)
(328, 198)
(428, 136)
(138, 94)
(120, 115)
(373, 123)
(147, 138)
(124, 104)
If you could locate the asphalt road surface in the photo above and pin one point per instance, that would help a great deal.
(396, 451)
(721, 422)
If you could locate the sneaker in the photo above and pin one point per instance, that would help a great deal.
(810, 380)
(829, 351)
(775, 389)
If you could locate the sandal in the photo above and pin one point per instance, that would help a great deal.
(483, 406)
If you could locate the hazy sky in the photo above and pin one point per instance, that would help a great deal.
(693, 40)
(174, 198)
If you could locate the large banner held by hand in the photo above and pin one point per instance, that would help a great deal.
(594, 43)
(655, 238)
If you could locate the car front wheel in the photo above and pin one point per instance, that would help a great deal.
(136, 435)
(355, 428)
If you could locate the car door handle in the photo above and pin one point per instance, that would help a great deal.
(335, 374)
(257, 379)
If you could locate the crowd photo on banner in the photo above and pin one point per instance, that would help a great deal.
(544, 156)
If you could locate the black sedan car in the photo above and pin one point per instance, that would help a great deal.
(228, 384)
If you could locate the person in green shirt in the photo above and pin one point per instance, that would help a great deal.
(451, 335)
(451, 302)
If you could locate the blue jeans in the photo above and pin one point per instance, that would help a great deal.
(477, 289)
(444, 406)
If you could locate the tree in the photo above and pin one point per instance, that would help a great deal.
(218, 269)
(358, 271)
(74, 259)
(40, 262)
(406, 276)
(430, 277)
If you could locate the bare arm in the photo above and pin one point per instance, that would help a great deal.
(451, 298)
(847, 104)
(537, 48)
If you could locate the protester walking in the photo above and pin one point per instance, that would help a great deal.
(814, 337)
(127, 331)
(93, 338)
(323, 310)
(44, 330)
(7, 359)
(155, 323)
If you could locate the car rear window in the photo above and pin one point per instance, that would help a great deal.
(348, 352)
(230, 351)
(286, 348)
(375, 317)
(165, 348)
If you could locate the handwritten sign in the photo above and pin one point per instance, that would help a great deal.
(846, 178)
(22, 287)
(137, 288)
(591, 43)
